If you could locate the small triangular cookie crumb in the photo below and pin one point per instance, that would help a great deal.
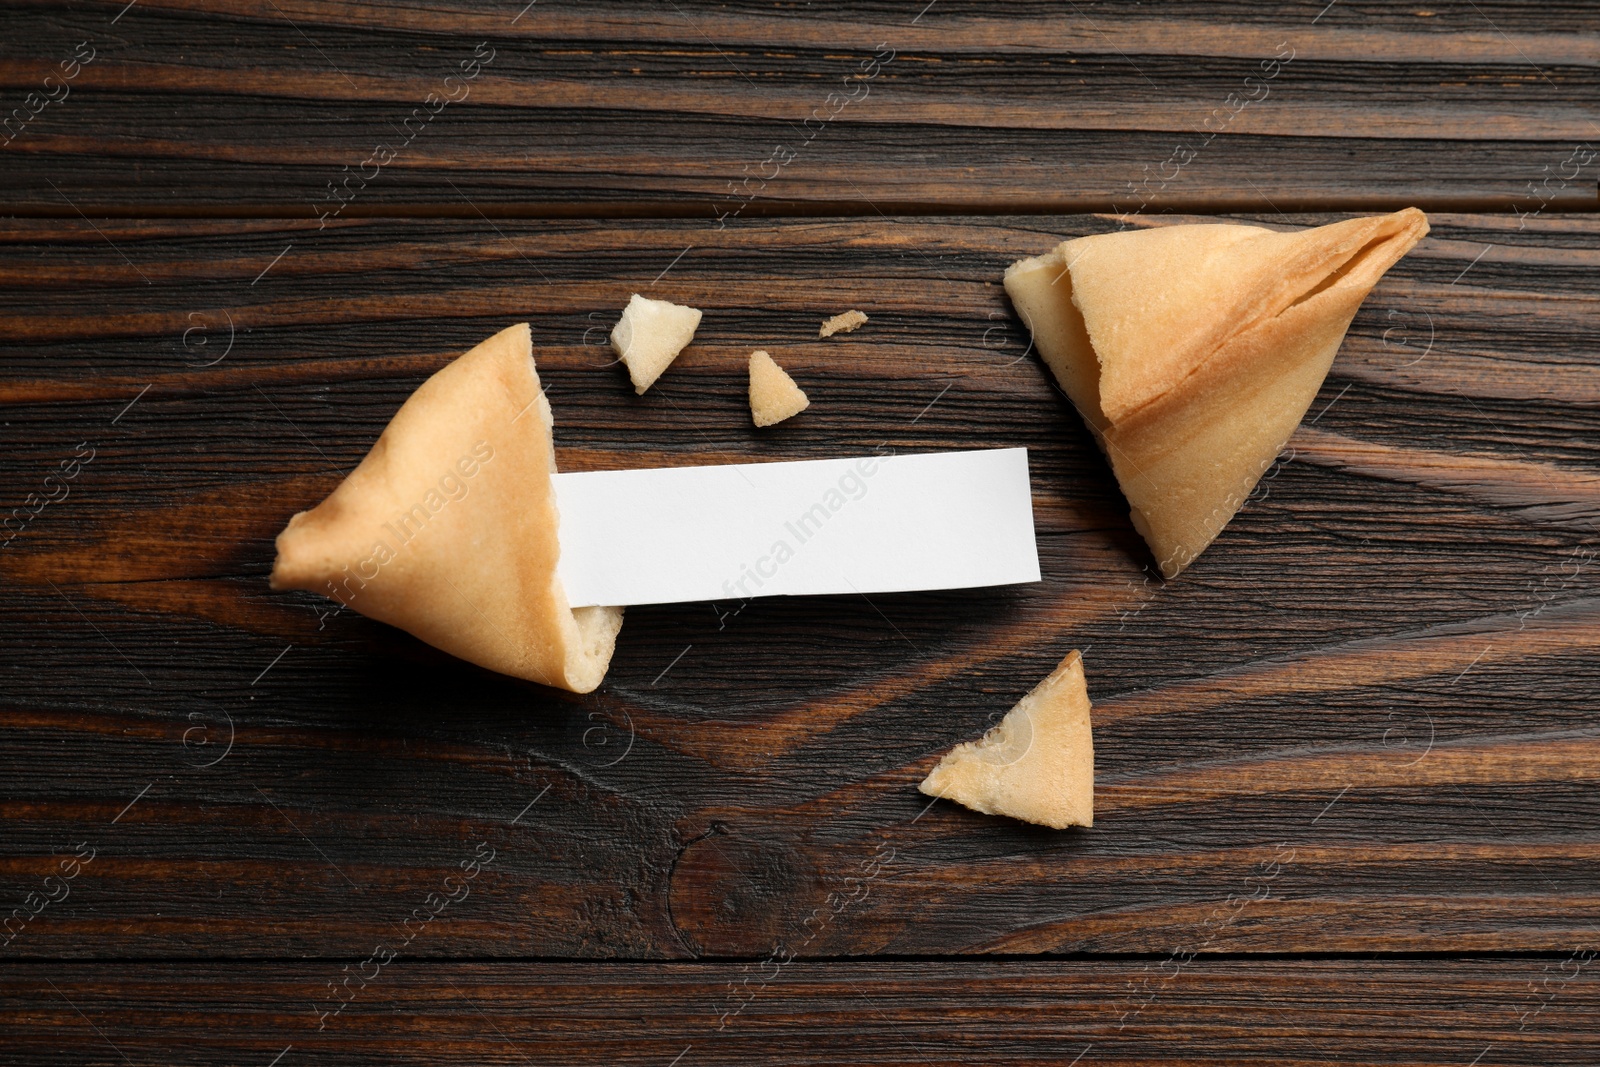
(650, 335)
(850, 320)
(773, 394)
(1037, 765)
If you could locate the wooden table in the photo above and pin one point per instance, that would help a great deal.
(1347, 763)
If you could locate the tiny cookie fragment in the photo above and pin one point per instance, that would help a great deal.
(844, 323)
(1037, 765)
(650, 335)
(773, 394)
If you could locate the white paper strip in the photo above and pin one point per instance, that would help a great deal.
(949, 520)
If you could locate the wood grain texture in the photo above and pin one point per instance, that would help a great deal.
(1363, 721)
(1491, 1012)
(741, 108)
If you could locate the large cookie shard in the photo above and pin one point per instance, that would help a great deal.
(650, 335)
(1036, 765)
(1193, 351)
(448, 528)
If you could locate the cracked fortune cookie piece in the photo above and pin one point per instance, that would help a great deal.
(1036, 765)
(448, 528)
(1193, 351)
(843, 323)
(773, 394)
(650, 335)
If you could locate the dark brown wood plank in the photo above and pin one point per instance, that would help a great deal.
(1363, 721)
(735, 109)
(1488, 1012)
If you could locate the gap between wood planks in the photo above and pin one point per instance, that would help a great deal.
(971, 958)
(688, 209)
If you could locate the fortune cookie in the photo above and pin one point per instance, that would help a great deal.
(448, 528)
(1193, 351)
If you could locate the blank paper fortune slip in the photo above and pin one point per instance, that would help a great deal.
(949, 520)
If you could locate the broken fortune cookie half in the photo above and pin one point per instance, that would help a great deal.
(448, 528)
(1193, 351)
(1036, 765)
